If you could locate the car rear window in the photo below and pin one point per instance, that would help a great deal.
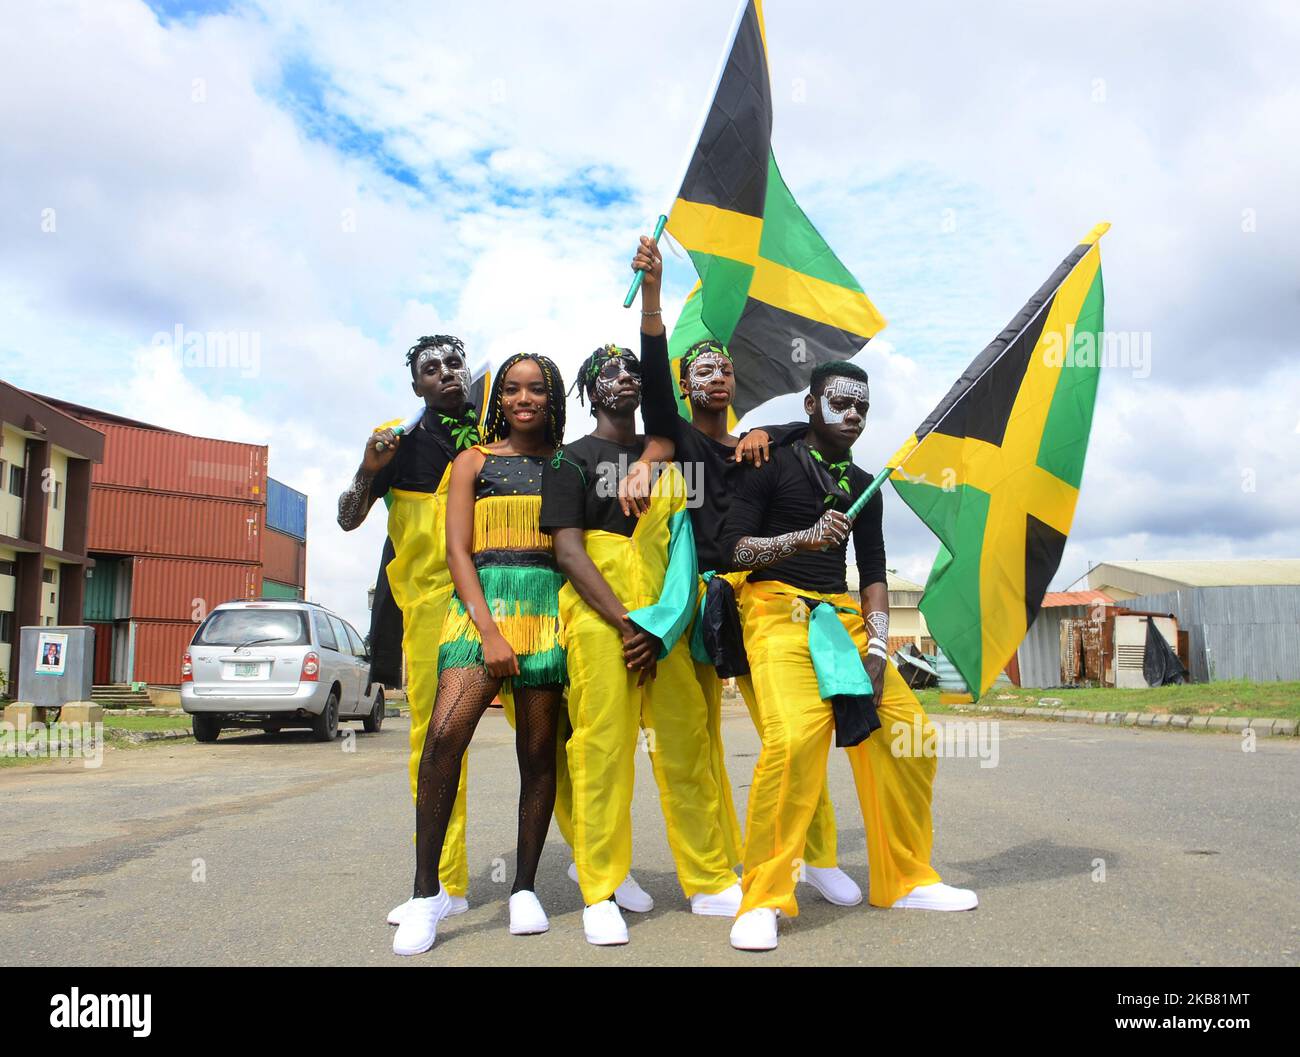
(265, 627)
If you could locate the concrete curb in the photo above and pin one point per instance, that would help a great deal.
(1264, 727)
(141, 736)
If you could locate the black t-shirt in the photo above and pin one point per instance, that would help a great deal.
(782, 496)
(581, 489)
(709, 466)
(422, 458)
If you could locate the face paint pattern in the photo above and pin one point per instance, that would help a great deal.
(707, 370)
(461, 374)
(839, 386)
(612, 376)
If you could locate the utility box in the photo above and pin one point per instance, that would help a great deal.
(57, 664)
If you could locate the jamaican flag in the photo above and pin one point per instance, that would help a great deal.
(995, 470)
(770, 287)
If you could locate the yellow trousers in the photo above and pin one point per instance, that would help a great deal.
(606, 709)
(797, 731)
(421, 587)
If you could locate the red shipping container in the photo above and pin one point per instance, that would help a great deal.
(176, 526)
(182, 589)
(160, 647)
(284, 558)
(177, 462)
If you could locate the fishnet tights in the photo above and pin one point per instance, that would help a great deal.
(463, 696)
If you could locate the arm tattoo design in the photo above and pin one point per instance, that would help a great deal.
(878, 622)
(758, 552)
(354, 501)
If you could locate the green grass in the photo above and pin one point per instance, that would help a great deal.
(1268, 700)
(147, 722)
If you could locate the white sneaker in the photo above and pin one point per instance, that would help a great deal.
(834, 885)
(938, 897)
(456, 905)
(724, 904)
(603, 924)
(629, 895)
(755, 930)
(527, 918)
(419, 926)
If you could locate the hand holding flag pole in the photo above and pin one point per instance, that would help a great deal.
(640, 273)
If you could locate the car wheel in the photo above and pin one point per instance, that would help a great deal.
(325, 727)
(207, 727)
(375, 720)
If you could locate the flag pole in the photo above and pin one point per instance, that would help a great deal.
(871, 490)
(741, 8)
(640, 272)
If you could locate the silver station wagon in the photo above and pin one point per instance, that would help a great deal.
(274, 664)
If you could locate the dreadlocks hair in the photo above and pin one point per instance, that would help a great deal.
(823, 372)
(496, 426)
(448, 342)
(589, 369)
(700, 348)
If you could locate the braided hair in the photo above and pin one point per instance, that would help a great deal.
(589, 369)
(708, 346)
(495, 424)
(444, 342)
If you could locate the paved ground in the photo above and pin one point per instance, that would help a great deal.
(302, 848)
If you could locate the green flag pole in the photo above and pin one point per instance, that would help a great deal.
(871, 490)
(636, 279)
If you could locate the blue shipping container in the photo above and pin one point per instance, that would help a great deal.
(286, 509)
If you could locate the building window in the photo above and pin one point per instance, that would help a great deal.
(58, 494)
(16, 480)
(51, 597)
(7, 567)
(7, 628)
(47, 575)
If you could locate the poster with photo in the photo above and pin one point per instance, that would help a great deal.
(51, 653)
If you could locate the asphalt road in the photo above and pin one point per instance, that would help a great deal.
(279, 850)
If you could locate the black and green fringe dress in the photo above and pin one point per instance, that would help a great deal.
(516, 567)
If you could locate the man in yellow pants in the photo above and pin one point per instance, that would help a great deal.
(410, 472)
(715, 458)
(820, 670)
(629, 598)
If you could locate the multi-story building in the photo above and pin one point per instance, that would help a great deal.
(45, 474)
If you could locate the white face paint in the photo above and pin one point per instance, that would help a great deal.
(611, 377)
(840, 387)
(435, 354)
(709, 369)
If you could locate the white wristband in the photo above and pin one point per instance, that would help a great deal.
(876, 651)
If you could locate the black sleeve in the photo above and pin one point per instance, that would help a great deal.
(564, 495)
(749, 505)
(658, 404)
(383, 480)
(781, 435)
(869, 539)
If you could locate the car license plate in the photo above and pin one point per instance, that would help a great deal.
(247, 671)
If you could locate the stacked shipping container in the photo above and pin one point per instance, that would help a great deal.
(284, 546)
(184, 515)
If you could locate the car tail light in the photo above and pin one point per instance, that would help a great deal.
(187, 670)
(310, 668)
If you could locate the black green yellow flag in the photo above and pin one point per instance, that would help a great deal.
(770, 287)
(995, 469)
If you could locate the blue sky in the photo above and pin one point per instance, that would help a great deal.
(332, 180)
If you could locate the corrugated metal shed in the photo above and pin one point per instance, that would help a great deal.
(1159, 577)
(177, 462)
(286, 509)
(181, 589)
(1075, 598)
(1039, 655)
(161, 525)
(1250, 632)
(284, 558)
